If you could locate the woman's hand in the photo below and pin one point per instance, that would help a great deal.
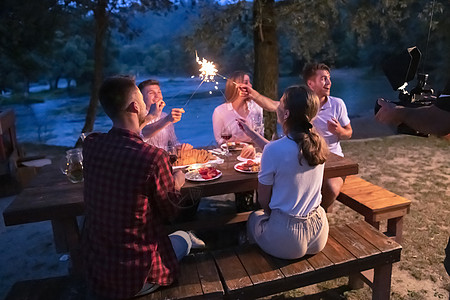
(242, 123)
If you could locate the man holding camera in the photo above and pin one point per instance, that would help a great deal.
(433, 119)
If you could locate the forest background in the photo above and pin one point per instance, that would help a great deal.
(85, 40)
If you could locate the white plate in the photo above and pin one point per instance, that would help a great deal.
(243, 171)
(188, 177)
(256, 159)
(239, 148)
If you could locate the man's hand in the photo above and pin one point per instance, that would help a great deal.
(388, 113)
(343, 133)
(179, 179)
(156, 109)
(175, 115)
(247, 90)
(334, 126)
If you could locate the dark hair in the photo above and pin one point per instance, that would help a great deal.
(310, 69)
(114, 94)
(231, 91)
(303, 106)
(148, 82)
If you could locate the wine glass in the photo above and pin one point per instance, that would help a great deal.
(172, 150)
(226, 134)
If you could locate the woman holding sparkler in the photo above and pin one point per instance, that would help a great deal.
(237, 106)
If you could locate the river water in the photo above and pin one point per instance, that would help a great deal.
(59, 121)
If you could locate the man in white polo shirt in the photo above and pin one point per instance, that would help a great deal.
(332, 122)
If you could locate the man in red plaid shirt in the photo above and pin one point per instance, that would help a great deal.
(129, 192)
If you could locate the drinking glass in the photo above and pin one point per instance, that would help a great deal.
(257, 123)
(172, 150)
(72, 165)
(226, 134)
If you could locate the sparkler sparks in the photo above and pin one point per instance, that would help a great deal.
(208, 69)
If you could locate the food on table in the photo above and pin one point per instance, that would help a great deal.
(234, 145)
(192, 156)
(203, 173)
(248, 152)
(249, 166)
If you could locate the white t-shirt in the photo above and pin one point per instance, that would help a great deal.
(225, 114)
(333, 108)
(296, 188)
(162, 138)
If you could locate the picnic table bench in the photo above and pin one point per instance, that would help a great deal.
(246, 272)
(376, 204)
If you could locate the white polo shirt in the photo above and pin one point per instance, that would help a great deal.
(333, 108)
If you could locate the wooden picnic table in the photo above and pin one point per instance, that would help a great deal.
(52, 197)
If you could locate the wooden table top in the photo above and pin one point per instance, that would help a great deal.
(51, 196)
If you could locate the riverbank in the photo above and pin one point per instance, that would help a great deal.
(413, 167)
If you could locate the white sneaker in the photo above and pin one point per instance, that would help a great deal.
(196, 242)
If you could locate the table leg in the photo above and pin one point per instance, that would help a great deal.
(66, 235)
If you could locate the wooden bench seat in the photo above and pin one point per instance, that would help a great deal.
(375, 204)
(198, 279)
(246, 272)
(249, 273)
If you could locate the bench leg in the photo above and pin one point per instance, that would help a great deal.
(395, 228)
(381, 289)
(373, 223)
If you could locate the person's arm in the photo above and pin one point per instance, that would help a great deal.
(426, 119)
(342, 132)
(263, 101)
(264, 195)
(154, 112)
(164, 187)
(252, 134)
(151, 129)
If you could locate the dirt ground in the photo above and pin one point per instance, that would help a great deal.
(413, 167)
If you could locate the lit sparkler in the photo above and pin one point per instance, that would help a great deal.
(208, 69)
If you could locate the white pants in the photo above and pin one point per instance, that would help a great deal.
(288, 237)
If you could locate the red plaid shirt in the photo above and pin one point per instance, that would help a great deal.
(128, 194)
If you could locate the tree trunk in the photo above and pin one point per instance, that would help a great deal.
(266, 57)
(101, 24)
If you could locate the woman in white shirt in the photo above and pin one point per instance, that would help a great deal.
(292, 223)
(237, 106)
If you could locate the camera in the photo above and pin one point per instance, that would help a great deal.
(400, 70)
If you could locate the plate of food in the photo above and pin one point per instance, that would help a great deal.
(186, 158)
(256, 158)
(234, 146)
(203, 174)
(248, 166)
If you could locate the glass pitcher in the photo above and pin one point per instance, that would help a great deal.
(72, 165)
